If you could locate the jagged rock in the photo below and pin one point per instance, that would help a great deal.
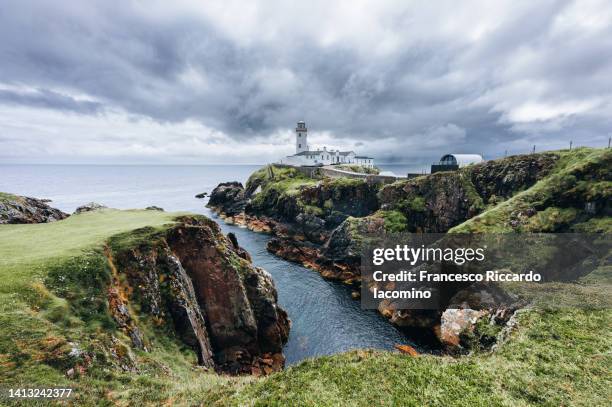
(239, 250)
(342, 197)
(154, 208)
(228, 198)
(185, 310)
(22, 209)
(407, 349)
(503, 178)
(433, 204)
(458, 322)
(91, 206)
(202, 195)
(313, 227)
(298, 252)
(239, 300)
(202, 285)
(261, 225)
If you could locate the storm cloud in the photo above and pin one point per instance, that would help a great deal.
(206, 82)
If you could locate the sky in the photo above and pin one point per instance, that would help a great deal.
(207, 82)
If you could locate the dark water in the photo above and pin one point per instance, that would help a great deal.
(325, 319)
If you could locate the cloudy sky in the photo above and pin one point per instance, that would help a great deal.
(218, 82)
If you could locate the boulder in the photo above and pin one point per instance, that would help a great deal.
(91, 206)
(228, 198)
(458, 322)
(154, 208)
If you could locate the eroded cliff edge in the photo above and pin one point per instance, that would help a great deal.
(200, 284)
(184, 284)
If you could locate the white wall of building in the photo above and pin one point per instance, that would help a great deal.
(364, 161)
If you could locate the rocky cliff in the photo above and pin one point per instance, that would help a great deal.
(23, 209)
(192, 282)
(322, 223)
(302, 212)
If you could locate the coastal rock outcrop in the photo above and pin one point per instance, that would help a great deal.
(229, 197)
(194, 281)
(323, 223)
(89, 207)
(23, 209)
(434, 203)
(503, 178)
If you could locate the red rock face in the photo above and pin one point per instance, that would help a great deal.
(238, 299)
(217, 284)
(204, 286)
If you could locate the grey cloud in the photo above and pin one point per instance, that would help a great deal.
(139, 62)
(48, 99)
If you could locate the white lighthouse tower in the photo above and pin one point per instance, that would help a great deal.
(301, 137)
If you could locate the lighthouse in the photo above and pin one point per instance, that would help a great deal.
(301, 137)
(305, 157)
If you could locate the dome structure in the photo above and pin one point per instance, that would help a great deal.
(461, 160)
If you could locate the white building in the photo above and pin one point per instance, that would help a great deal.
(452, 162)
(305, 157)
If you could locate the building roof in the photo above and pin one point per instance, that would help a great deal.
(463, 159)
(315, 152)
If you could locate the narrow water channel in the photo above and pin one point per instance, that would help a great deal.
(325, 319)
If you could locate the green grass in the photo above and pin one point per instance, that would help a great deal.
(277, 183)
(4, 196)
(555, 358)
(580, 175)
(358, 168)
(25, 250)
(395, 221)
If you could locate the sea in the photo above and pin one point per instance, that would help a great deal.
(325, 319)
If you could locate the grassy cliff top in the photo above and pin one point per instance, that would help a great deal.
(54, 305)
(580, 175)
(25, 249)
(5, 196)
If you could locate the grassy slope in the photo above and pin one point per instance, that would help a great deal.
(26, 249)
(38, 326)
(566, 177)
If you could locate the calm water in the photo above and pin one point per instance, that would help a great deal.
(325, 320)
